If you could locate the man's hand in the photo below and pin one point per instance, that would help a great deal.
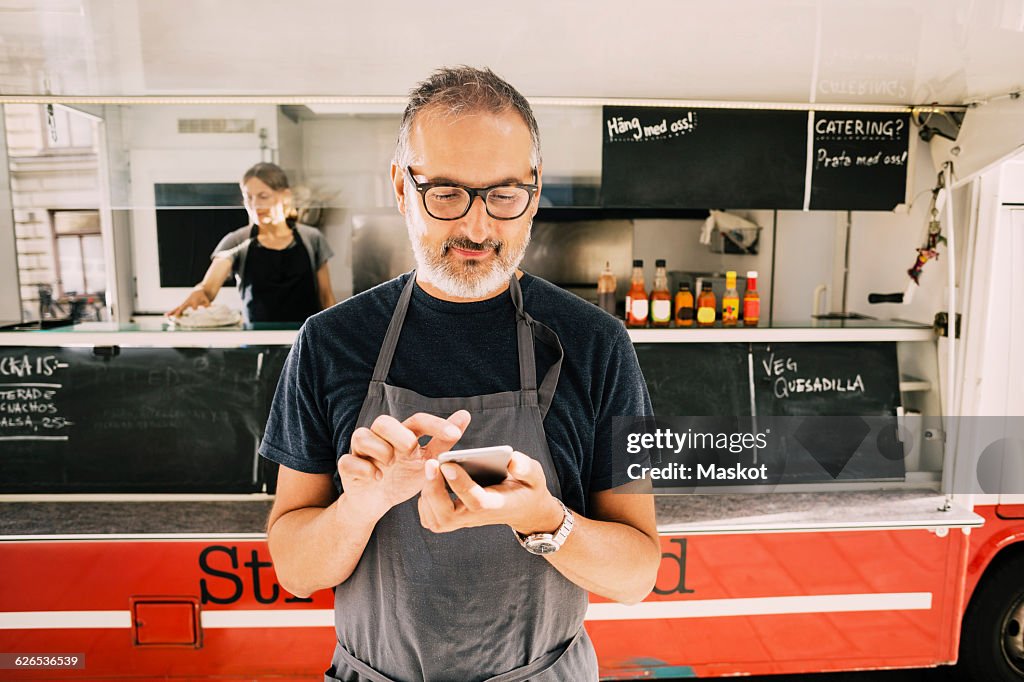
(386, 465)
(522, 500)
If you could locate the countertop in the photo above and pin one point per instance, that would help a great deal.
(157, 332)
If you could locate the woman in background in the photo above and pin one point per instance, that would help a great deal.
(280, 266)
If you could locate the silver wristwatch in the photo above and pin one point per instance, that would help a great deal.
(547, 543)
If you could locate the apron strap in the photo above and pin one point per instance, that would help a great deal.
(536, 667)
(387, 349)
(524, 337)
(362, 668)
(243, 271)
(520, 674)
(527, 329)
(546, 393)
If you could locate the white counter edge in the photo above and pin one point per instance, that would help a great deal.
(237, 338)
(154, 339)
(779, 335)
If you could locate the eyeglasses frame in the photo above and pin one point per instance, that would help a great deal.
(473, 192)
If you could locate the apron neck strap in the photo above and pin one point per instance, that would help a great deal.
(524, 337)
(546, 392)
(527, 329)
(387, 349)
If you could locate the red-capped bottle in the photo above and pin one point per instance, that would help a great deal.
(751, 301)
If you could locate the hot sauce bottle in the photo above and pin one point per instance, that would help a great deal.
(636, 299)
(606, 289)
(707, 306)
(751, 301)
(684, 306)
(730, 301)
(661, 297)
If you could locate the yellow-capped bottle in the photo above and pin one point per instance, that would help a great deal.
(730, 301)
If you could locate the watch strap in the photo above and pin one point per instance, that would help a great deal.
(558, 538)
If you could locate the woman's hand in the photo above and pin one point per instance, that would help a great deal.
(203, 293)
(197, 299)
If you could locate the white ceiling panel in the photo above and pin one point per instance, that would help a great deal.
(834, 51)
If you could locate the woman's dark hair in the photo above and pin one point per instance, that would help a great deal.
(270, 174)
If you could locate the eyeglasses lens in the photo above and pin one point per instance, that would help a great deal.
(447, 203)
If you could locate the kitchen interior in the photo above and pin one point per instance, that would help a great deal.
(812, 265)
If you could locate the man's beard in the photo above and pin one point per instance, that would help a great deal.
(467, 278)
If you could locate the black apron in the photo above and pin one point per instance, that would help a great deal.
(469, 605)
(278, 285)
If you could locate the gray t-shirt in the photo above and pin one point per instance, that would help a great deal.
(235, 245)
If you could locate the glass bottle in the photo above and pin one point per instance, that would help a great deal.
(661, 297)
(684, 306)
(730, 301)
(707, 306)
(636, 299)
(606, 289)
(751, 301)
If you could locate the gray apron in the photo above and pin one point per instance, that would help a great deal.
(469, 605)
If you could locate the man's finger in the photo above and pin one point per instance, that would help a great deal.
(435, 494)
(366, 443)
(359, 468)
(475, 497)
(526, 469)
(444, 433)
(427, 517)
(401, 438)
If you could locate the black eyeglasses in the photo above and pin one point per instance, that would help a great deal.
(448, 201)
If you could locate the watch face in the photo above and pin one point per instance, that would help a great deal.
(541, 546)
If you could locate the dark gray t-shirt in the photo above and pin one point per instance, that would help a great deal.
(459, 349)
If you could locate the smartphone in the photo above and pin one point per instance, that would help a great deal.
(486, 466)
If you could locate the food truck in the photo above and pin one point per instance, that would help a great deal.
(868, 172)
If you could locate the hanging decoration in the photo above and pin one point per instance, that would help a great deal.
(929, 251)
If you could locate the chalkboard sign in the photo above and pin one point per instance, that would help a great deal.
(837, 402)
(696, 379)
(132, 419)
(695, 158)
(859, 160)
(703, 158)
(830, 407)
(826, 379)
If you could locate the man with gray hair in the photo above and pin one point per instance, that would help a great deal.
(486, 581)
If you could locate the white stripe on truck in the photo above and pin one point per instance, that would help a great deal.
(311, 618)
